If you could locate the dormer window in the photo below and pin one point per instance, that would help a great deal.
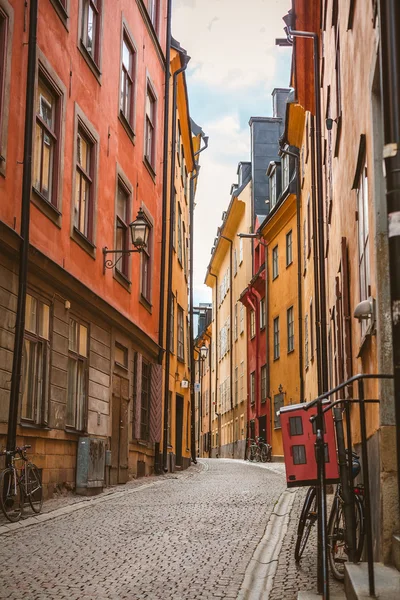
(272, 187)
(285, 171)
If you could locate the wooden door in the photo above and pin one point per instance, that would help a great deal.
(120, 429)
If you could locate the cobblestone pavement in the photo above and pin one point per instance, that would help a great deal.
(186, 537)
(290, 577)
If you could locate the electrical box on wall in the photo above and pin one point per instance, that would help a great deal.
(90, 465)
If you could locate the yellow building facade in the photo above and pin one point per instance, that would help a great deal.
(227, 275)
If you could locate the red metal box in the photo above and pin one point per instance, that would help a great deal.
(298, 435)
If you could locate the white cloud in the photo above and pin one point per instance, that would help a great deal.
(232, 43)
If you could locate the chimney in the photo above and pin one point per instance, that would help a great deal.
(279, 98)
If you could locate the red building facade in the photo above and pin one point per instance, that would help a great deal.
(90, 355)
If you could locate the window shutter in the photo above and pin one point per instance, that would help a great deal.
(138, 396)
(155, 403)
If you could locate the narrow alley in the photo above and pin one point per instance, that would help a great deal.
(194, 538)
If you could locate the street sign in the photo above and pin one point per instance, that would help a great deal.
(196, 387)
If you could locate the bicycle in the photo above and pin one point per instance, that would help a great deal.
(266, 450)
(337, 550)
(16, 486)
(253, 452)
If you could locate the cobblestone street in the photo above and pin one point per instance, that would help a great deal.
(185, 536)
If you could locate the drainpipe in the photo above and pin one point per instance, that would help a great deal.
(185, 59)
(193, 176)
(390, 90)
(165, 185)
(25, 220)
(320, 202)
(295, 156)
(231, 333)
(216, 361)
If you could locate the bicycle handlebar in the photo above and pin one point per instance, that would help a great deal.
(18, 450)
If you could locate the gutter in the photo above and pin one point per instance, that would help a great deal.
(185, 59)
(25, 223)
(165, 184)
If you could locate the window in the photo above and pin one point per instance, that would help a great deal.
(252, 323)
(312, 331)
(299, 455)
(146, 265)
(296, 426)
(84, 189)
(172, 328)
(235, 322)
(77, 374)
(308, 227)
(275, 263)
(240, 251)
(121, 355)
(305, 245)
(363, 244)
(262, 313)
(179, 234)
(128, 66)
(263, 383)
(235, 262)
(276, 339)
(181, 344)
(272, 188)
(285, 171)
(122, 228)
(278, 403)
(145, 401)
(241, 318)
(149, 151)
(47, 133)
(242, 381)
(91, 24)
(169, 418)
(179, 143)
(252, 387)
(306, 348)
(35, 361)
(185, 249)
(3, 58)
(236, 385)
(153, 8)
(290, 329)
(289, 248)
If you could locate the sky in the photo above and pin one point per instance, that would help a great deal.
(234, 67)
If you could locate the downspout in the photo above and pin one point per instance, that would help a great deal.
(25, 221)
(216, 360)
(170, 257)
(320, 203)
(165, 189)
(295, 156)
(193, 176)
(390, 91)
(231, 336)
(315, 261)
(256, 297)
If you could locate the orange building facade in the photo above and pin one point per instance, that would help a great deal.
(90, 358)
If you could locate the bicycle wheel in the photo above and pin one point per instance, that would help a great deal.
(264, 453)
(307, 519)
(337, 550)
(11, 496)
(34, 485)
(269, 453)
(257, 454)
(249, 453)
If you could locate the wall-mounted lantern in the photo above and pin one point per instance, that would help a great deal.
(139, 229)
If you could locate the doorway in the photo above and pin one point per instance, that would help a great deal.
(119, 434)
(178, 429)
(262, 428)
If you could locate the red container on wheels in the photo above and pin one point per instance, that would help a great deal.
(298, 435)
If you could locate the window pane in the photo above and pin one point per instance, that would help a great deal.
(29, 378)
(31, 314)
(44, 321)
(83, 339)
(81, 394)
(71, 397)
(122, 204)
(37, 160)
(47, 165)
(91, 24)
(126, 56)
(73, 336)
(46, 104)
(83, 153)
